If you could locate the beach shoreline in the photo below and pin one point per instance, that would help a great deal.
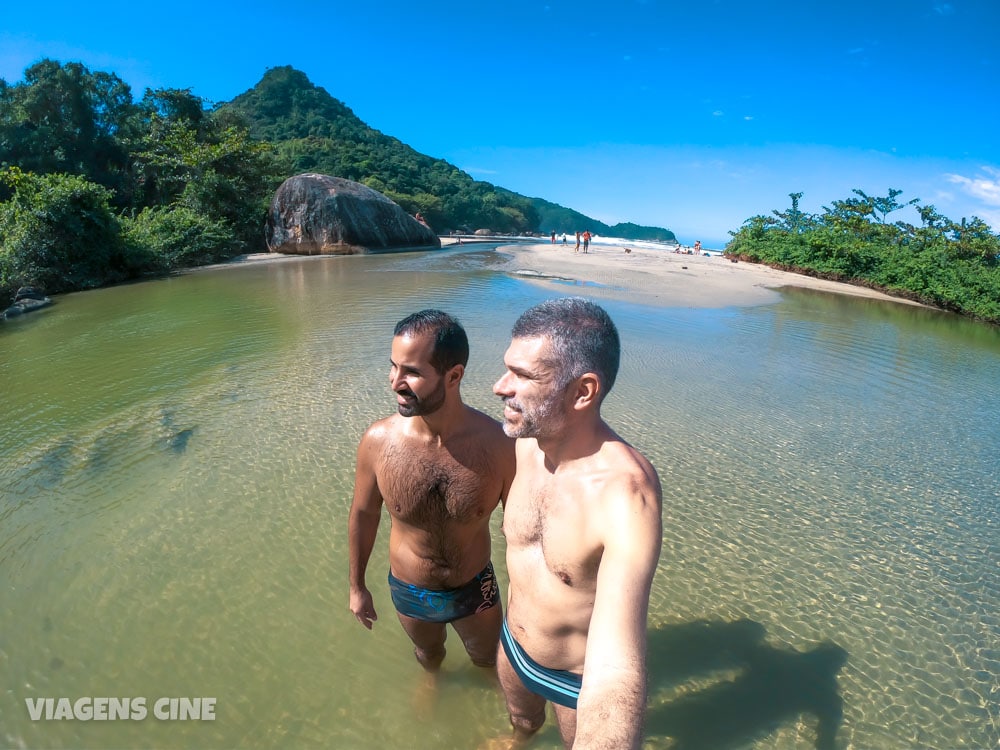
(620, 269)
(662, 277)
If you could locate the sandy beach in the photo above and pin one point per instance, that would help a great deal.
(646, 275)
(662, 277)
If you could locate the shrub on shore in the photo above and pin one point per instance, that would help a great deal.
(946, 264)
(165, 238)
(58, 232)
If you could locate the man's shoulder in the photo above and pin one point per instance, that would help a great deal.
(381, 429)
(628, 503)
(482, 423)
(627, 471)
(627, 455)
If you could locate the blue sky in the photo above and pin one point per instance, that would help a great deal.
(691, 116)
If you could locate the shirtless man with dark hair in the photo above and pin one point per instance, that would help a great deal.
(584, 531)
(440, 468)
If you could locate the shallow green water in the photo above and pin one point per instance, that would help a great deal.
(176, 463)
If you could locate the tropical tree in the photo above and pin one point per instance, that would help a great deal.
(63, 118)
(189, 157)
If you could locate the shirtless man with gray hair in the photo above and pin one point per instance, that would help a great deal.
(584, 531)
(440, 468)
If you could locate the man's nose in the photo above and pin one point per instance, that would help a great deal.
(500, 388)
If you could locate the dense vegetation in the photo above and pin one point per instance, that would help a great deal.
(97, 188)
(952, 265)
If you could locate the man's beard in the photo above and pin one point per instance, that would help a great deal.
(421, 407)
(540, 420)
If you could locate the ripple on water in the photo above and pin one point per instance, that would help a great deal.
(179, 527)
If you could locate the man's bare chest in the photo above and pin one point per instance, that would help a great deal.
(427, 487)
(546, 525)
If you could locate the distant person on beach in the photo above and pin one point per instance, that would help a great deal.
(697, 247)
(577, 248)
(440, 468)
(586, 240)
(553, 237)
(583, 528)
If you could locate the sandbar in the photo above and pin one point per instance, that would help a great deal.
(646, 275)
(661, 277)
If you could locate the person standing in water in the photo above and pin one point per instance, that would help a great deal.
(440, 468)
(584, 531)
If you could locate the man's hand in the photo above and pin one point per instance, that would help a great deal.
(363, 607)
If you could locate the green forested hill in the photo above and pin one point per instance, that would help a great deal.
(315, 132)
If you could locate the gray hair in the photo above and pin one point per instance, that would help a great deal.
(582, 338)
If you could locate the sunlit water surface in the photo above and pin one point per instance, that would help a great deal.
(177, 461)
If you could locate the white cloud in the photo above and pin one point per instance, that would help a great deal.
(986, 189)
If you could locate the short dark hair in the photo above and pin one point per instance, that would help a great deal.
(451, 345)
(582, 335)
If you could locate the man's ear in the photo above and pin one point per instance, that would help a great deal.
(586, 391)
(454, 375)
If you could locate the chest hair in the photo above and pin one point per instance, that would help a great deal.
(431, 487)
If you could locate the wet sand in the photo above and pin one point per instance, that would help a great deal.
(662, 277)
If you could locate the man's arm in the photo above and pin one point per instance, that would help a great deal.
(362, 528)
(612, 701)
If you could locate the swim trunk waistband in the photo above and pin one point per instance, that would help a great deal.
(478, 595)
(556, 685)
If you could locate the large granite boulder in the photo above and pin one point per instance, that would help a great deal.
(315, 214)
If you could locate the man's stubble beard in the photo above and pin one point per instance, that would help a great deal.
(543, 420)
(422, 407)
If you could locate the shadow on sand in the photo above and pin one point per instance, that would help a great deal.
(762, 687)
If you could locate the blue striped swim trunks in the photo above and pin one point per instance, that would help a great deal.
(556, 685)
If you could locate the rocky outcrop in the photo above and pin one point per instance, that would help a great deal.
(315, 214)
(27, 299)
